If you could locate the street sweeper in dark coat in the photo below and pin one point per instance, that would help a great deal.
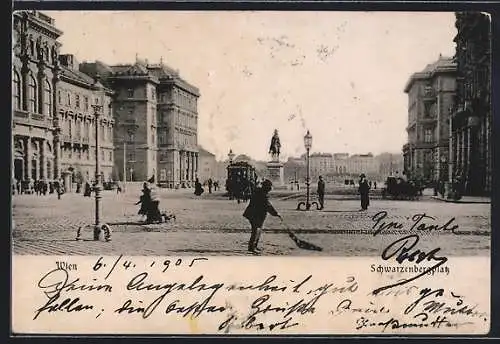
(256, 213)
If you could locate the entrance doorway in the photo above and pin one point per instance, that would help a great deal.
(18, 169)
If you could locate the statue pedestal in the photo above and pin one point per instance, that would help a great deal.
(275, 173)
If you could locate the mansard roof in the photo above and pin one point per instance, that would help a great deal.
(135, 69)
(442, 65)
(75, 75)
(81, 79)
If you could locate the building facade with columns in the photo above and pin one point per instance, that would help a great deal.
(53, 118)
(35, 72)
(471, 127)
(431, 95)
(156, 114)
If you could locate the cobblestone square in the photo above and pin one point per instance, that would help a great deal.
(213, 225)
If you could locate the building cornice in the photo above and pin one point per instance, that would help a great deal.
(429, 75)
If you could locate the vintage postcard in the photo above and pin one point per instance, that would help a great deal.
(251, 172)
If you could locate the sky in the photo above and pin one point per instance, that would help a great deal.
(340, 75)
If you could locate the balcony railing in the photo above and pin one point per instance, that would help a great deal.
(29, 118)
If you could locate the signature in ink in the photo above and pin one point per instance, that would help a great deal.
(404, 249)
(419, 223)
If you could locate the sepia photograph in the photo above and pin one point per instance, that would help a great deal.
(257, 134)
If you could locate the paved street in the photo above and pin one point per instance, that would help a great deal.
(213, 225)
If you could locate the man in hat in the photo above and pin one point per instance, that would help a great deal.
(256, 213)
(364, 190)
(321, 192)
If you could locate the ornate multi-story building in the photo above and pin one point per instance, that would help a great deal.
(147, 124)
(53, 118)
(470, 146)
(35, 74)
(156, 121)
(430, 96)
(77, 97)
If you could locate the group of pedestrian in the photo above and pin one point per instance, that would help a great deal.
(363, 188)
(38, 187)
(212, 184)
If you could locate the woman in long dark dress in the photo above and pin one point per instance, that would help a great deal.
(198, 190)
(144, 200)
(87, 190)
(364, 190)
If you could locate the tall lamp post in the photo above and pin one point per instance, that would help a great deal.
(97, 188)
(307, 203)
(98, 227)
(230, 155)
(98, 108)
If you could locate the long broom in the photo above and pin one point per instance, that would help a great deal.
(302, 243)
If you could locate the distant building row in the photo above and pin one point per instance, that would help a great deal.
(341, 165)
(449, 112)
(148, 119)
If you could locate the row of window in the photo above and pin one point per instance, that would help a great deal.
(185, 100)
(88, 154)
(81, 102)
(131, 93)
(186, 120)
(77, 128)
(185, 140)
(32, 95)
(132, 158)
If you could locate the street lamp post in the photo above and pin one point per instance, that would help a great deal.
(230, 155)
(97, 188)
(98, 227)
(307, 203)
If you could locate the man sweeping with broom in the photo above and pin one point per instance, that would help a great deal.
(256, 213)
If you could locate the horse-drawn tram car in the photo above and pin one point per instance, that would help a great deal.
(241, 180)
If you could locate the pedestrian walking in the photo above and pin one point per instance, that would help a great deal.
(321, 193)
(364, 190)
(87, 191)
(210, 183)
(144, 201)
(256, 213)
(198, 189)
(59, 189)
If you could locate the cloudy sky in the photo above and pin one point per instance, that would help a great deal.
(339, 74)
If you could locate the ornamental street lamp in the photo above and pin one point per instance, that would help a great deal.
(307, 145)
(230, 155)
(98, 227)
(97, 230)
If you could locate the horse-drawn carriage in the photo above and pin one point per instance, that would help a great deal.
(241, 180)
(398, 188)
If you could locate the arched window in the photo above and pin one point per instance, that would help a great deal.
(47, 99)
(16, 91)
(32, 95)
